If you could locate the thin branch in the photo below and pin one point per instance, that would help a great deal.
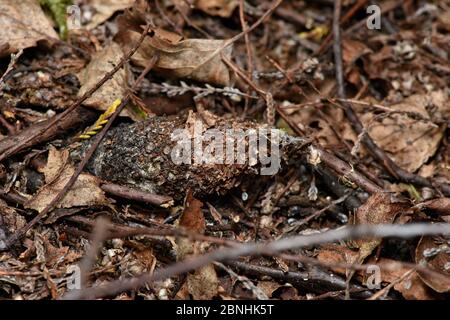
(272, 248)
(137, 195)
(98, 236)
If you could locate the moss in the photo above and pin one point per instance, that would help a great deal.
(58, 9)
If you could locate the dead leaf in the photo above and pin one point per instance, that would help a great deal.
(55, 256)
(440, 206)
(104, 9)
(444, 19)
(115, 88)
(438, 262)
(352, 50)
(202, 283)
(334, 253)
(22, 25)
(268, 287)
(146, 258)
(409, 142)
(10, 220)
(85, 191)
(192, 218)
(411, 288)
(380, 208)
(221, 8)
(197, 59)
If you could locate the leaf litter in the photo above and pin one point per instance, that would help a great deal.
(396, 80)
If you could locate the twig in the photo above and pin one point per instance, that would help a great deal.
(316, 214)
(314, 279)
(200, 92)
(385, 290)
(121, 231)
(248, 47)
(79, 116)
(267, 96)
(257, 292)
(333, 162)
(360, 231)
(12, 63)
(98, 236)
(136, 195)
(358, 5)
(413, 115)
(266, 14)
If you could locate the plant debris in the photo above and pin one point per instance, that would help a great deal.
(290, 150)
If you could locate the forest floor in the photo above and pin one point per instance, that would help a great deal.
(351, 96)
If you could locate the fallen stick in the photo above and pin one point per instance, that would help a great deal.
(73, 121)
(271, 248)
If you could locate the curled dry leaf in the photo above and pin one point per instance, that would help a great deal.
(203, 283)
(412, 287)
(22, 25)
(380, 208)
(104, 9)
(411, 142)
(440, 206)
(221, 8)
(334, 253)
(10, 220)
(438, 262)
(352, 50)
(115, 88)
(58, 171)
(197, 59)
(268, 287)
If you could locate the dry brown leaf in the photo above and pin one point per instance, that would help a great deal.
(412, 288)
(440, 206)
(438, 263)
(409, 142)
(146, 258)
(353, 50)
(104, 9)
(85, 191)
(221, 8)
(268, 287)
(55, 256)
(197, 59)
(22, 25)
(10, 220)
(334, 253)
(444, 19)
(380, 208)
(115, 88)
(203, 283)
